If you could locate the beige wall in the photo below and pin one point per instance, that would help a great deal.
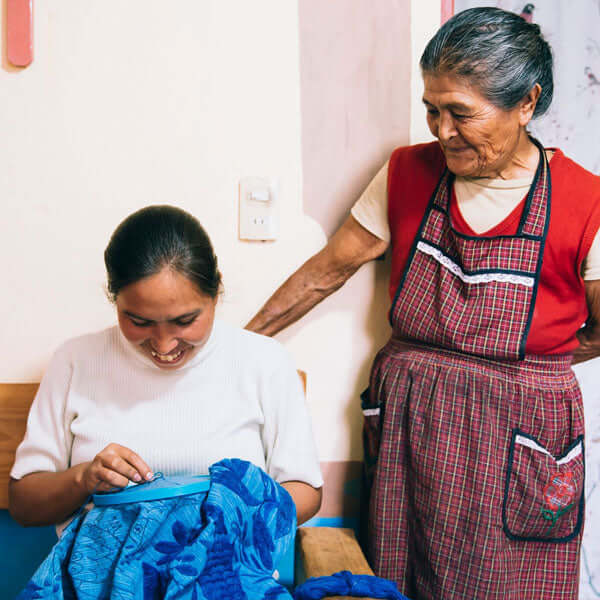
(128, 104)
(426, 16)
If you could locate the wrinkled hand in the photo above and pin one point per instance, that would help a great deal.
(115, 466)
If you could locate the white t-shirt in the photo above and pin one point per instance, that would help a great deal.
(239, 397)
(483, 204)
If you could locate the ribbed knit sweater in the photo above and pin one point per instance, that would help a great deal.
(238, 397)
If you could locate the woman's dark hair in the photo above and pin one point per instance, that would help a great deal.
(156, 237)
(499, 52)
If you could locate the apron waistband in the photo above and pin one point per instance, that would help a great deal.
(543, 370)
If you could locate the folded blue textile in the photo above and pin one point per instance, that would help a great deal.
(345, 583)
(216, 546)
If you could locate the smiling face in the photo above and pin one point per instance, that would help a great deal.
(166, 316)
(478, 138)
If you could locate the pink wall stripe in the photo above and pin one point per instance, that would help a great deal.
(342, 489)
(447, 9)
(19, 32)
(355, 98)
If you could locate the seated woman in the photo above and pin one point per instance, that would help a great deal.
(169, 389)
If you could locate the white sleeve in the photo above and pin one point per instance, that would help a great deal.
(591, 264)
(47, 442)
(290, 449)
(370, 210)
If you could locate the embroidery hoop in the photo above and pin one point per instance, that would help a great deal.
(159, 488)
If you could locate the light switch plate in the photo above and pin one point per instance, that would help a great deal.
(258, 208)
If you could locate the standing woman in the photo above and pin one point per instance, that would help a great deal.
(473, 418)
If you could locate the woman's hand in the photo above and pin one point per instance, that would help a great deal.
(47, 498)
(115, 466)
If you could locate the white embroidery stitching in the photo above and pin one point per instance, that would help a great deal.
(482, 277)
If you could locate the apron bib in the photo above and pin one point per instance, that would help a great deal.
(474, 294)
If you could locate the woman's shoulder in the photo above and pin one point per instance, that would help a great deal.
(426, 152)
(575, 213)
(251, 346)
(88, 344)
(418, 159)
(80, 352)
(568, 173)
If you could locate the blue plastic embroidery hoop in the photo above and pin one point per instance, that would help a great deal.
(159, 488)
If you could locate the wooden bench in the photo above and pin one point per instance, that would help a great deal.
(320, 550)
(15, 400)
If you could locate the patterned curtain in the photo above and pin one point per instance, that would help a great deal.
(573, 124)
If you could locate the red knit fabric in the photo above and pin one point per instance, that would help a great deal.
(560, 307)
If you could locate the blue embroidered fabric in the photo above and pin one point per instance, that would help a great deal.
(222, 545)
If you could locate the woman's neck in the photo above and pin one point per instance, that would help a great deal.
(524, 160)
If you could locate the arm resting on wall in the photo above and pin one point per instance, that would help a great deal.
(589, 335)
(350, 247)
(306, 498)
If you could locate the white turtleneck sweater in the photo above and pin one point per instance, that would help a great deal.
(238, 397)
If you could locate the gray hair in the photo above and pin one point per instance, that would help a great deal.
(497, 51)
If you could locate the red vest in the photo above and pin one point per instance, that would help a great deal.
(560, 307)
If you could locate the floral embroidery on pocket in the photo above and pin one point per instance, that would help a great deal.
(543, 496)
(559, 497)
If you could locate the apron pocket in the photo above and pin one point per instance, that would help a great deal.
(371, 430)
(543, 496)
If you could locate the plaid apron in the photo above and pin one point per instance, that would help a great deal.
(473, 449)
